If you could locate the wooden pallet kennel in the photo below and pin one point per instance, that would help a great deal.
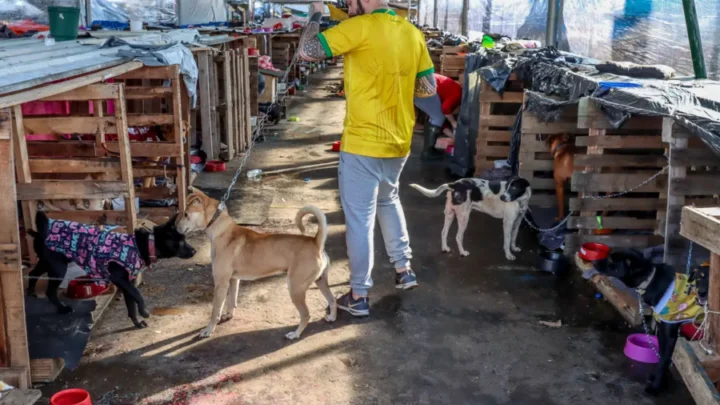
(536, 161)
(615, 163)
(701, 370)
(498, 113)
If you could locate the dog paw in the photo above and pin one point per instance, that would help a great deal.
(331, 318)
(226, 318)
(206, 333)
(464, 253)
(293, 335)
(144, 313)
(141, 325)
(446, 250)
(516, 249)
(510, 256)
(65, 310)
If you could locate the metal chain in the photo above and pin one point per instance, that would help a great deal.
(646, 328)
(689, 259)
(596, 197)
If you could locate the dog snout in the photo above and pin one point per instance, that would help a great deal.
(504, 198)
(187, 251)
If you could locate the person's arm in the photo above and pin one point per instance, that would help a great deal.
(339, 40)
(425, 85)
(451, 118)
(310, 47)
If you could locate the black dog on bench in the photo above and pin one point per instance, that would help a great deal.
(104, 255)
(676, 299)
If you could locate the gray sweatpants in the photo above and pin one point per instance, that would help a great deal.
(369, 186)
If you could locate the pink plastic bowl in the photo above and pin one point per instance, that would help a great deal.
(638, 348)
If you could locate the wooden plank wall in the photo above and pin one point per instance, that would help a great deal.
(497, 117)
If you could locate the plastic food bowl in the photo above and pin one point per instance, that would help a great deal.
(215, 166)
(691, 331)
(551, 262)
(336, 146)
(74, 396)
(637, 347)
(594, 251)
(84, 287)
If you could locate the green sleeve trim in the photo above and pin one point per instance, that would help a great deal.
(326, 47)
(424, 73)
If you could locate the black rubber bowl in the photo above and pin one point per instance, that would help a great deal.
(551, 262)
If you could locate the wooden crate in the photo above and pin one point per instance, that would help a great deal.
(536, 161)
(161, 92)
(59, 170)
(453, 63)
(497, 117)
(613, 163)
(699, 370)
(436, 56)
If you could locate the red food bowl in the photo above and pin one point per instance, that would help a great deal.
(74, 396)
(692, 331)
(336, 146)
(215, 166)
(594, 251)
(85, 287)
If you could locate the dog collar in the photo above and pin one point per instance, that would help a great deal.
(558, 146)
(642, 287)
(220, 209)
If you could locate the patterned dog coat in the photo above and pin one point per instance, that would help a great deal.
(679, 304)
(94, 249)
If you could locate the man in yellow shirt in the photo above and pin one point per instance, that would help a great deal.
(386, 65)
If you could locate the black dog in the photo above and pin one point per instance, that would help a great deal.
(653, 282)
(164, 242)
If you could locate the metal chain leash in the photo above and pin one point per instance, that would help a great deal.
(651, 343)
(595, 197)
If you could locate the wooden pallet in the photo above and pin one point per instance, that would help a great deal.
(436, 57)
(699, 370)
(497, 117)
(253, 88)
(616, 163)
(59, 174)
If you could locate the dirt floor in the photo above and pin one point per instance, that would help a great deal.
(469, 335)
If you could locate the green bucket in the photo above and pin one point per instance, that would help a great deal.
(64, 22)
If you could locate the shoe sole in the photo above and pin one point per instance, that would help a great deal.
(354, 312)
(406, 286)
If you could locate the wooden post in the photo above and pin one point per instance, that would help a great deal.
(11, 281)
(180, 138)
(246, 98)
(588, 112)
(22, 168)
(206, 120)
(229, 106)
(125, 158)
(676, 247)
(714, 301)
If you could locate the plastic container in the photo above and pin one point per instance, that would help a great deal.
(594, 251)
(136, 25)
(64, 22)
(73, 396)
(215, 166)
(85, 287)
(637, 347)
(254, 174)
(336, 146)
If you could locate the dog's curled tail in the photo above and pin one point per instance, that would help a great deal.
(322, 223)
(431, 193)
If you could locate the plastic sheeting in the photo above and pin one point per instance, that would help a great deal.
(694, 105)
(640, 31)
(149, 11)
